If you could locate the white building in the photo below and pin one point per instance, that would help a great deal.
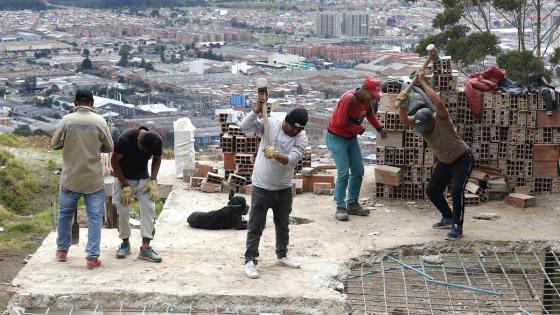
(157, 108)
(284, 59)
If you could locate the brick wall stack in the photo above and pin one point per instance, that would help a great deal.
(513, 139)
(239, 153)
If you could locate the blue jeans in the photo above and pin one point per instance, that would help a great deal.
(95, 206)
(348, 159)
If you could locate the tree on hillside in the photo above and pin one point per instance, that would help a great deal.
(85, 52)
(154, 13)
(465, 30)
(23, 130)
(86, 64)
(519, 64)
(30, 84)
(555, 61)
(124, 52)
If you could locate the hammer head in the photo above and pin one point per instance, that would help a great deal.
(432, 52)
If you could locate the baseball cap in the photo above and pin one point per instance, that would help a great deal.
(297, 117)
(422, 119)
(374, 87)
(83, 95)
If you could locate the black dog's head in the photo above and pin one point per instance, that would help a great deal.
(238, 203)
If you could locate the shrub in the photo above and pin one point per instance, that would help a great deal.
(10, 140)
(17, 182)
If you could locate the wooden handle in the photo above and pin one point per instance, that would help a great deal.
(265, 122)
(432, 56)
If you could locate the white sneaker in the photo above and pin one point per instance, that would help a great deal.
(251, 270)
(288, 262)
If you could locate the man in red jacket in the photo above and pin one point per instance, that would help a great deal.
(344, 126)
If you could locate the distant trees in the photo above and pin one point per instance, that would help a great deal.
(520, 64)
(9, 5)
(23, 130)
(86, 64)
(124, 52)
(111, 4)
(85, 52)
(465, 33)
(30, 84)
(53, 90)
(555, 61)
(161, 50)
(43, 53)
(209, 54)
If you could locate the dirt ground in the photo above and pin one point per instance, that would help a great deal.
(205, 268)
(11, 260)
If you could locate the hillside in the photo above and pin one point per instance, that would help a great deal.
(27, 201)
(113, 4)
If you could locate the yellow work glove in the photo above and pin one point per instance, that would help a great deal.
(126, 196)
(152, 189)
(270, 153)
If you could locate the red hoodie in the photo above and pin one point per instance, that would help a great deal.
(346, 120)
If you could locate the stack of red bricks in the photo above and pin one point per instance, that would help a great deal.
(239, 155)
(514, 141)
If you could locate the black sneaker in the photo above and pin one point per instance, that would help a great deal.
(455, 233)
(341, 214)
(445, 223)
(356, 209)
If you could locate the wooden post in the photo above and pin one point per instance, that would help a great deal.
(111, 214)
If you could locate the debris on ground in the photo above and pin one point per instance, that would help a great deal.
(486, 216)
(432, 259)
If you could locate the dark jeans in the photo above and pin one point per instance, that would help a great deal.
(281, 203)
(456, 174)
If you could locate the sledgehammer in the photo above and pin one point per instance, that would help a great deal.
(432, 56)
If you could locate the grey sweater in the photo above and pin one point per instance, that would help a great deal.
(270, 174)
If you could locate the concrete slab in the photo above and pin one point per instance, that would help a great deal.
(205, 268)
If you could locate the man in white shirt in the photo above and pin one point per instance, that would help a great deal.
(272, 181)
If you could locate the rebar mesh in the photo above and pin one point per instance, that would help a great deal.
(466, 283)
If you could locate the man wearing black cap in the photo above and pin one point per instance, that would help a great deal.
(82, 135)
(455, 159)
(133, 150)
(272, 181)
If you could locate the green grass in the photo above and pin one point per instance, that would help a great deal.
(24, 232)
(52, 165)
(267, 39)
(135, 208)
(10, 140)
(18, 183)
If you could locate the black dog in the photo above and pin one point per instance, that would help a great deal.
(229, 217)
